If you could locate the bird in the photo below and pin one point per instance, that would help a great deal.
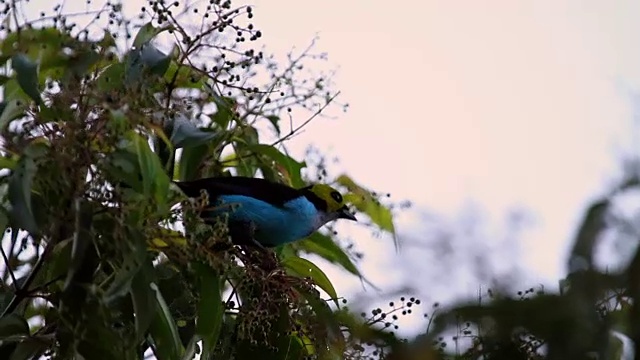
(265, 213)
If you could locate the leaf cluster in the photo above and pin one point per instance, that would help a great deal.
(102, 255)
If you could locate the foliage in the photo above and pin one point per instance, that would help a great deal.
(103, 258)
(594, 310)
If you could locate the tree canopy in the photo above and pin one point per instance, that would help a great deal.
(103, 258)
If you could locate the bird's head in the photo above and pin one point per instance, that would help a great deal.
(329, 201)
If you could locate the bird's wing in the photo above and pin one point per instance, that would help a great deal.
(265, 190)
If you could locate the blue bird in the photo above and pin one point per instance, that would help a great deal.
(266, 213)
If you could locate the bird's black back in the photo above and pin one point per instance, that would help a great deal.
(273, 193)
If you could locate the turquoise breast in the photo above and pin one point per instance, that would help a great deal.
(274, 226)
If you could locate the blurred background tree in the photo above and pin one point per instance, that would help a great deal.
(591, 314)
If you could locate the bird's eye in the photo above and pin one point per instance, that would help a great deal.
(336, 196)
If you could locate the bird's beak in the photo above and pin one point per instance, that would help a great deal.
(344, 213)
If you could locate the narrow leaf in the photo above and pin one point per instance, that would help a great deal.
(27, 76)
(155, 181)
(7, 163)
(275, 120)
(291, 167)
(80, 63)
(192, 349)
(146, 33)
(13, 325)
(121, 284)
(163, 330)
(365, 202)
(10, 111)
(154, 59)
(29, 350)
(305, 268)
(323, 246)
(82, 239)
(111, 78)
(146, 59)
(334, 334)
(183, 76)
(191, 160)
(143, 298)
(225, 109)
(186, 134)
(19, 193)
(210, 307)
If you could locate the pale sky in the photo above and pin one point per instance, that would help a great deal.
(505, 103)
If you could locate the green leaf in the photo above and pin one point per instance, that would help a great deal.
(155, 181)
(620, 319)
(112, 78)
(225, 109)
(9, 111)
(363, 200)
(13, 325)
(615, 348)
(248, 136)
(334, 341)
(59, 264)
(27, 76)
(80, 63)
(19, 193)
(7, 163)
(378, 213)
(157, 61)
(183, 76)
(146, 33)
(123, 166)
(305, 268)
(275, 121)
(191, 160)
(28, 350)
(12, 91)
(289, 166)
(210, 307)
(107, 41)
(143, 298)
(121, 285)
(145, 59)
(591, 226)
(4, 222)
(163, 330)
(82, 239)
(186, 134)
(191, 351)
(323, 246)
(44, 44)
(133, 263)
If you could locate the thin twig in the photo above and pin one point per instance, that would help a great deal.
(22, 292)
(6, 261)
(43, 286)
(318, 112)
(291, 133)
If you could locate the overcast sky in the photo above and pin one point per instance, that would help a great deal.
(506, 103)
